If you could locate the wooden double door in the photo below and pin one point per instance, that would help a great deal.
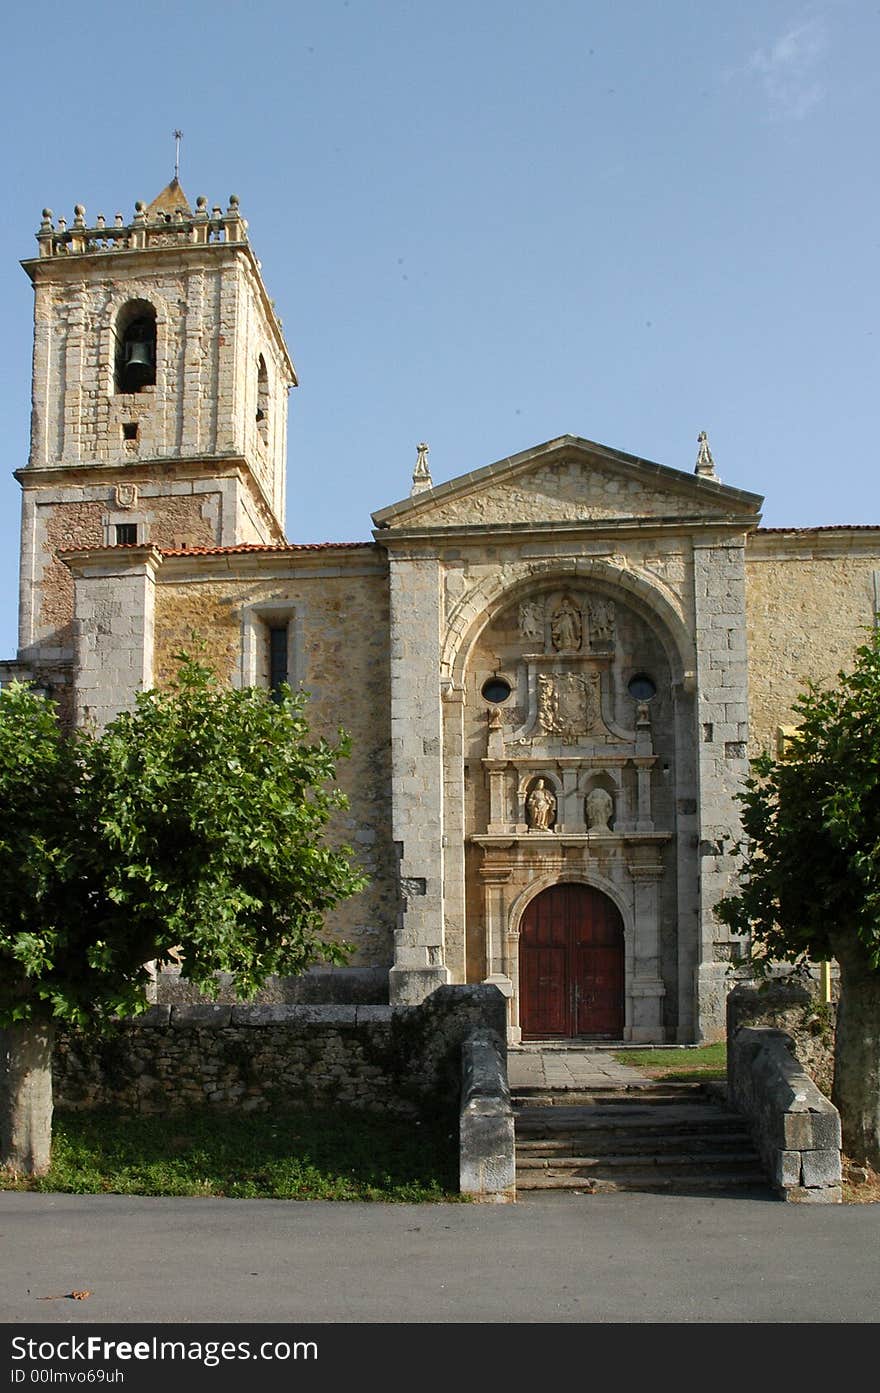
(571, 975)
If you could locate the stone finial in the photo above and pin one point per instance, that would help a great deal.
(46, 224)
(421, 478)
(705, 465)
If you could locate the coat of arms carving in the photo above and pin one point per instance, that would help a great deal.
(568, 704)
(126, 495)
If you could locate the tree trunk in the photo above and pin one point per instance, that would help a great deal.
(26, 1097)
(856, 1091)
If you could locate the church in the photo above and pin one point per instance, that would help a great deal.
(554, 668)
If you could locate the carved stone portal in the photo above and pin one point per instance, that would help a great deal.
(568, 704)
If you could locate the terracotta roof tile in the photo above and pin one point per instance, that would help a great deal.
(829, 527)
(259, 547)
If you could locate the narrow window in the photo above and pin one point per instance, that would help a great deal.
(135, 347)
(277, 657)
(129, 430)
(262, 400)
(126, 534)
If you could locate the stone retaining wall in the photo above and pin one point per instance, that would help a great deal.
(793, 1005)
(487, 1143)
(403, 1060)
(795, 1128)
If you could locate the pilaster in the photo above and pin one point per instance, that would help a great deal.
(417, 777)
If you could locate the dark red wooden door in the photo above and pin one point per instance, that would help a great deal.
(571, 965)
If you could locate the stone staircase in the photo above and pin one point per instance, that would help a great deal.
(675, 1137)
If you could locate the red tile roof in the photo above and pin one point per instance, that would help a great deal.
(830, 527)
(279, 547)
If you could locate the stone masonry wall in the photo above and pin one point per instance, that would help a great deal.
(404, 1060)
(339, 610)
(810, 602)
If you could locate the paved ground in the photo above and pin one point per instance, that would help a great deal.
(618, 1258)
(554, 1258)
(560, 1067)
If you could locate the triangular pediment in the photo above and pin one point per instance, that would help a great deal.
(568, 480)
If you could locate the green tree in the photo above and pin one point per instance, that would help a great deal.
(193, 827)
(810, 890)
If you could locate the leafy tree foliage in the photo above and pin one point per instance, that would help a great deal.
(811, 884)
(194, 827)
(43, 967)
(812, 824)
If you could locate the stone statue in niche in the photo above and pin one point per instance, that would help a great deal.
(566, 627)
(602, 621)
(531, 621)
(600, 810)
(541, 805)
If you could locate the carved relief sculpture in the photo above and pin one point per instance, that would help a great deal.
(600, 809)
(566, 627)
(126, 495)
(568, 704)
(531, 621)
(541, 805)
(602, 621)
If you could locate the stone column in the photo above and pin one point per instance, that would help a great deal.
(722, 742)
(646, 990)
(114, 610)
(417, 777)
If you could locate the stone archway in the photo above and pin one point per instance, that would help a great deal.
(571, 965)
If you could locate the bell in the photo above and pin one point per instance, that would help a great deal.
(138, 368)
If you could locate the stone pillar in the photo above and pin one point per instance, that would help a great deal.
(722, 742)
(417, 778)
(570, 816)
(646, 989)
(114, 612)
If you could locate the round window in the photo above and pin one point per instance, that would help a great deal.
(496, 690)
(642, 687)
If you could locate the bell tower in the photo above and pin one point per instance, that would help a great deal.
(160, 382)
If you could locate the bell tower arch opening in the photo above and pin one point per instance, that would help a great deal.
(135, 337)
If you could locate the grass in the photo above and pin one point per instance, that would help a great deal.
(338, 1155)
(703, 1062)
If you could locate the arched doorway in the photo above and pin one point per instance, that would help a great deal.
(571, 965)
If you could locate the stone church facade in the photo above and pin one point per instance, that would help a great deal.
(554, 668)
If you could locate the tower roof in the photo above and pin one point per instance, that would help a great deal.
(169, 200)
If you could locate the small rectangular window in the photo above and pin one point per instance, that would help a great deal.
(126, 534)
(277, 656)
(129, 430)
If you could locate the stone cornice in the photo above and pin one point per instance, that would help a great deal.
(732, 529)
(104, 562)
(811, 543)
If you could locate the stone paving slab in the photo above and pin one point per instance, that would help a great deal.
(578, 1067)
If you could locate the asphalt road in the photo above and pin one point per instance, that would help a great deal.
(556, 1258)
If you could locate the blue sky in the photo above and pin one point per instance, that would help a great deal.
(488, 224)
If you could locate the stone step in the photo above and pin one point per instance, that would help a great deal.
(644, 1164)
(652, 1137)
(611, 1143)
(650, 1095)
(646, 1182)
(543, 1123)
